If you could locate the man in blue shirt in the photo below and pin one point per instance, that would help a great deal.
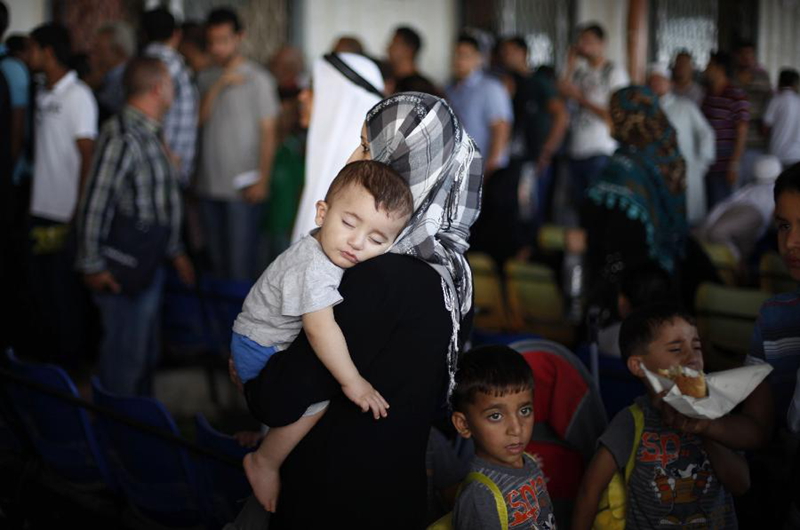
(481, 103)
(18, 80)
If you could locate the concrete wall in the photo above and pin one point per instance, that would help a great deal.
(323, 21)
(612, 15)
(778, 43)
(27, 14)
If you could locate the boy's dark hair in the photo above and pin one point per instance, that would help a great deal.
(224, 15)
(496, 370)
(594, 28)
(4, 19)
(744, 44)
(411, 39)
(16, 44)
(142, 74)
(646, 284)
(158, 25)
(788, 180)
(469, 40)
(788, 78)
(194, 33)
(723, 60)
(641, 327)
(518, 41)
(390, 191)
(56, 37)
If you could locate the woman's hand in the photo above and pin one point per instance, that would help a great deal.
(360, 392)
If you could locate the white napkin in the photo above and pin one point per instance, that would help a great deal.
(246, 179)
(725, 390)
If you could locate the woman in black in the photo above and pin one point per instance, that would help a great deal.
(401, 316)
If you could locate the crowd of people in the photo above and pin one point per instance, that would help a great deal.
(172, 147)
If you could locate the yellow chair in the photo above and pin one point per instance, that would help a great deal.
(552, 238)
(536, 303)
(774, 275)
(490, 307)
(725, 320)
(724, 260)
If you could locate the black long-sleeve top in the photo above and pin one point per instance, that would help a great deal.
(352, 471)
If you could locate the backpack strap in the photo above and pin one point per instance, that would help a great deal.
(502, 511)
(638, 429)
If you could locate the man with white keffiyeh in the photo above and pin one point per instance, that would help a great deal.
(402, 316)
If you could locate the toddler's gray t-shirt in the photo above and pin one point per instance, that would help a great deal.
(301, 280)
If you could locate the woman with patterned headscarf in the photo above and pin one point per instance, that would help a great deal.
(402, 315)
(635, 212)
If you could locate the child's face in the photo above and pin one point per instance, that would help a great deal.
(787, 221)
(501, 426)
(676, 343)
(352, 230)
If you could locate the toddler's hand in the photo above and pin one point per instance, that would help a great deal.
(360, 392)
(675, 420)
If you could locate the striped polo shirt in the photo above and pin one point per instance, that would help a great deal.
(724, 111)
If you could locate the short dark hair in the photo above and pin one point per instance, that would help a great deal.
(788, 180)
(646, 284)
(683, 52)
(641, 327)
(593, 27)
(16, 43)
(410, 37)
(224, 15)
(788, 78)
(142, 74)
(158, 24)
(744, 43)
(723, 60)
(469, 40)
(518, 41)
(194, 33)
(4, 19)
(390, 191)
(56, 37)
(496, 370)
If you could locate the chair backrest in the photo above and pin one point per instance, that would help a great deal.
(773, 274)
(224, 488)
(61, 431)
(155, 474)
(724, 260)
(490, 307)
(536, 302)
(552, 238)
(725, 320)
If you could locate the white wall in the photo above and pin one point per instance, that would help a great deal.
(323, 21)
(612, 15)
(27, 14)
(778, 43)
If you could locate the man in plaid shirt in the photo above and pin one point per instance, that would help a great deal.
(180, 123)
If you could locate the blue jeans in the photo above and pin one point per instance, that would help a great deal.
(583, 172)
(231, 230)
(129, 350)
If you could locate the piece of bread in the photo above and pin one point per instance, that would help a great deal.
(690, 382)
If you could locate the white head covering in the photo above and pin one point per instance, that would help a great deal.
(661, 69)
(336, 120)
(767, 168)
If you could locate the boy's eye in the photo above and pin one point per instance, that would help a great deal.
(377, 242)
(348, 225)
(783, 227)
(526, 411)
(495, 416)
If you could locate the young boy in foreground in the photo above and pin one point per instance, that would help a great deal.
(366, 207)
(493, 405)
(679, 479)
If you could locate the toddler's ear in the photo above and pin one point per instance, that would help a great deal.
(460, 423)
(635, 365)
(322, 210)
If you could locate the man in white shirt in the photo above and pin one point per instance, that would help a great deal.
(782, 119)
(695, 139)
(589, 86)
(66, 126)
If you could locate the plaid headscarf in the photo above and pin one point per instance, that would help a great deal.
(419, 136)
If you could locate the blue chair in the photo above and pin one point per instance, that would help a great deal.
(224, 487)
(155, 474)
(60, 431)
